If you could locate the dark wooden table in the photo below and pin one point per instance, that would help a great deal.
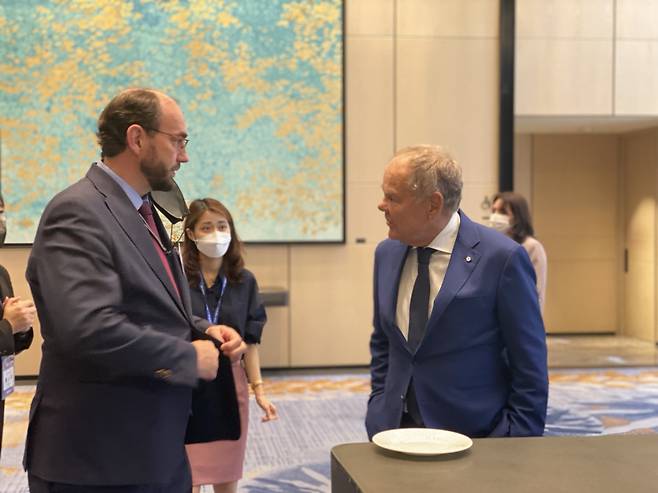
(574, 464)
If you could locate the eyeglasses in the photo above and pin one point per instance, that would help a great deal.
(181, 142)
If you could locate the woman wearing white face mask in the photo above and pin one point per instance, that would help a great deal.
(510, 214)
(225, 293)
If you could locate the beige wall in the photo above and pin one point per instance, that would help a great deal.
(417, 71)
(586, 57)
(640, 162)
(636, 56)
(594, 196)
(575, 206)
(564, 57)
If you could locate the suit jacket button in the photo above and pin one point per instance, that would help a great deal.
(163, 373)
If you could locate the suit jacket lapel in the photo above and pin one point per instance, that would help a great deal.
(397, 264)
(130, 221)
(462, 263)
(179, 275)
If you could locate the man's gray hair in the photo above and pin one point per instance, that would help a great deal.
(432, 169)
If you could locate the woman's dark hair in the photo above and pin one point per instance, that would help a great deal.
(232, 264)
(521, 225)
(132, 106)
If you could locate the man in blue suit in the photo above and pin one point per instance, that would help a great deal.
(458, 340)
(118, 367)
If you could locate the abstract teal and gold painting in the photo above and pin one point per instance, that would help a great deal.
(259, 81)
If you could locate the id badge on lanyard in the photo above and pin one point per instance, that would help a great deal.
(8, 375)
(212, 318)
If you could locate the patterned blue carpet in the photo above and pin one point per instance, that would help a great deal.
(321, 410)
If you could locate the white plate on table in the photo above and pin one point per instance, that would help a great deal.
(422, 441)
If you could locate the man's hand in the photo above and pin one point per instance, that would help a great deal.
(207, 359)
(232, 344)
(19, 313)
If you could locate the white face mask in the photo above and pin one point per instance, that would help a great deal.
(499, 222)
(215, 244)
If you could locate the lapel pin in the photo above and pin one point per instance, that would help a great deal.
(468, 258)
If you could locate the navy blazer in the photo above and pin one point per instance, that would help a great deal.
(480, 368)
(117, 371)
(215, 414)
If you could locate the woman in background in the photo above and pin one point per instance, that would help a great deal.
(16, 319)
(225, 293)
(511, 215)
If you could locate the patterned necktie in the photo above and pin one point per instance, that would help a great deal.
(147, 213)
(420, 299)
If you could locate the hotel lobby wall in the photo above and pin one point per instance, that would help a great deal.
(640, 186)
(586, 57)
(576, 209)
(592, 197)
(416, 71)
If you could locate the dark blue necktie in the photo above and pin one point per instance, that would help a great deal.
(420, 299)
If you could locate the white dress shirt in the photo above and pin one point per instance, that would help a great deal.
(444, 242)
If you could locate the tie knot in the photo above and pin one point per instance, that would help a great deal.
(424, 255)
(145, 209)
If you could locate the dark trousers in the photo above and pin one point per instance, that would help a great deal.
(182, 483)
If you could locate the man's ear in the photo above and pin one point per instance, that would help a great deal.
(436, 204)
(135, 138)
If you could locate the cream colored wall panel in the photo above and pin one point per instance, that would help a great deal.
(564, 18)
(640, 301)
(640, 162)
(269, 263)
(274, 349)
(575, 212)
(640, 234)
(463, 18)
(365, 221)
(369, 17)
(369, 107)
(637, 19)
(581, 297)
(575, 185)
(473, 196)
(15, 261)
(636, 77)
(562, 247)
(563, 77)
(640, 166)
(447, 93)
(523, 166)
(331, 304)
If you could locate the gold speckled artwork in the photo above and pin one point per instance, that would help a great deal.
(260, 83)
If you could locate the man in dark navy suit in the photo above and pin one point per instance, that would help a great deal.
(118, 366)
(458, 340)
(16, 319)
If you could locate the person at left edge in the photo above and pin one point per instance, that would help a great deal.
(118, 366)
(16, 318)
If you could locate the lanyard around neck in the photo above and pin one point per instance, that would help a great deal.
(202, 286)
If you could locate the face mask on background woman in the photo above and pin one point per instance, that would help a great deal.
(499, 222)
(215, 244)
